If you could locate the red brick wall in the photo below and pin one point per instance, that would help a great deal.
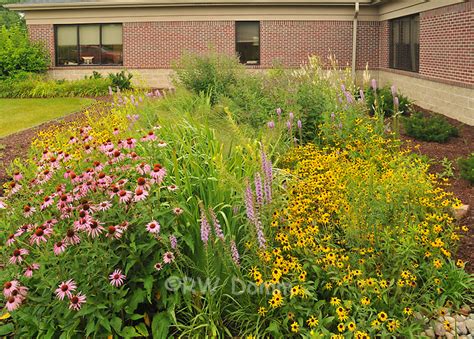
(291, 42)
(45, 35)
(157, 44)
(447, 43)
(384, 44)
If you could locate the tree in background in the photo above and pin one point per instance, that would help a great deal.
(9, 18)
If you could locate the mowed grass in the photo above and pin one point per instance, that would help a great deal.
(20, 114)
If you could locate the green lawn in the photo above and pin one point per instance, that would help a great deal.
(20, 114)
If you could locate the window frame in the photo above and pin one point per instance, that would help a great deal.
(259, 41)
(56, 56)
(391, 64)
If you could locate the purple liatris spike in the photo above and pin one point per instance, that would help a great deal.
(300, 124)
(333, 116)
(396, 103)
(235, 253)
(343, 88)
(217, 225)
(394, 90)
(267, 179)
(271, 124)
(374, 84)
(249, 205)
(260, 236)
(258, 189)
(292, 116)
(362, 96)
(349, 98)
(205, 228)
(288, 125)
(173, 241)
(278, 111)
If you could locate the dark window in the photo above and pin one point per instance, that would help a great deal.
(94, 44)
(247, 41)
(405, 43)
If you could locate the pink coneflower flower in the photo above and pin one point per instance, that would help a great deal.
(14, 187)
(153, 227)
(104, 206)
(149, 137)
(130, 143)
(9, 287)
(158, 173)
(17, 256)
(13, 303)
(161, 143)
(2, 205)
(65, 289)
(17, 176)
(59, 247)
(71, 238)
(83, 223)
(11, 239)
(29, 270)
(76, 301)
(168, 257)
(116, 131)
(143, 168)
(72, 140)
(124, 196)
(158, 266)
(48, 201)
(23, 229)
(140, 195)
(114, 232)
(178, 211)
(94, 229)
(40, 235)
(172, 188)
(117, 278)
(142, 183)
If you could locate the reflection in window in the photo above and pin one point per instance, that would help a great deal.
(248, 41)
(405, 43)
(89, 44)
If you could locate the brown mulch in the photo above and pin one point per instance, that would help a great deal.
(455, 148)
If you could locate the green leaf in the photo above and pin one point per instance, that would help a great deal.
(160, 325)
(106, 324)
(90, 328)
(148, 284)
(6, 329)
(141, 328)
(116, 324)
(137, 298)
(129, 332)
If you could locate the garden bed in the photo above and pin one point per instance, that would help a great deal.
(455, 148)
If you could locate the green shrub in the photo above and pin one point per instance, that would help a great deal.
(432, 128)
(466, 166)
(40, 87)
(18, 55)
(385, 101)
(212, 73)
(121, 80)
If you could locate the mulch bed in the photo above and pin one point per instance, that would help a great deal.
(17, 145)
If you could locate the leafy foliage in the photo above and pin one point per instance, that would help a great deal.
(429, 128)
(18, 55)
(382, 99)
(466, 166)
(121, 80)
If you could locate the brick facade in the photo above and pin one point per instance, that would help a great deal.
(43, 34)
(447, 43)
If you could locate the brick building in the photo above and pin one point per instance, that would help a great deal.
(424, 47)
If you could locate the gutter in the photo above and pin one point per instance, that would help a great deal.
(354, 41)
(176, 3)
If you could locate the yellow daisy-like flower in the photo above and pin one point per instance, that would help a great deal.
(295, 327)
(335, 301)
(407, 311)
(365, 301)
(312, 321)
(382, 316)
(341, 327)
(351, 326)
(262, 311)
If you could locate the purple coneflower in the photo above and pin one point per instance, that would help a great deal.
(153, 227)
(29, 270)
(178, 211)
(59, 247)
(65, 289)
(76, 301)
(158, 266)
(9, 287)
(17, 256)
(168, 257)
(117, 278)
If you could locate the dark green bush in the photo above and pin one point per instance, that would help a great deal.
(121, 80)
(18, 55)
(212, 73)
(385, 101)
(429, 128)
(466, 165)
